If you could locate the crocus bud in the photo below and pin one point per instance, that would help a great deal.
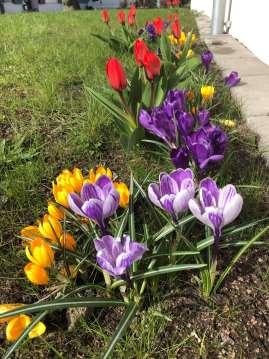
(140, 50)
(55, 211)
(36, 274)
(105, 16)
(116, 74)
(40, 253)
(207, 92)
(176, 28)
(18, 324)
(121, 17)
(124, 193)
(152, 64)
(68, 241)
(50, 228)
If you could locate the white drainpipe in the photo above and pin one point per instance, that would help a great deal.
(218, 15)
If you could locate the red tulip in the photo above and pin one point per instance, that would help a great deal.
(140, 50)
(168, 3)
(105, 16)
(176, 2)
(176, 28)
(121, 17)
(132, 10)
(116, 74)
(158, 24)
(152, 64)
(131, 19)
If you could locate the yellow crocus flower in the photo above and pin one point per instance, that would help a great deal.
(50, 228)
(61, 194)
(30, 232)
(36, 274)
(95, 174)
(173, 40)
(40, 253)
(182, 40)
(207, 92)
(228, 123)
(18, 324)
(124, 193)
(70, 180)
(55, 211)
(7, 307)
(68, 241)
(193, 39)
(190, 54)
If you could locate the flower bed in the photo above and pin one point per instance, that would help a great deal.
(118, 239)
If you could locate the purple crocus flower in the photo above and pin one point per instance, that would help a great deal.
(175, 101)
(97, 201)
(232, 80)
(206, 58)
(159, 123)
(207, 145)
(216, 207)
(180, 157)
(186, 123)
(116, 255)
(203, 117)
(173, 192)
(152, 35)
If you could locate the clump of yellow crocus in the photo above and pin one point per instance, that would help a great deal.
(17, 325)
(207, 92)
(55, 211)
(6, 308)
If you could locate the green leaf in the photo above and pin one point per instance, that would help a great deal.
(135, 91)
(161, 91)
(61, 304)
(176, 254)
(121, 328)
(146, 96)
(237, 257)
(166, 270)
(25, 333)
(171, 227)
(137, 135)
(165, 48)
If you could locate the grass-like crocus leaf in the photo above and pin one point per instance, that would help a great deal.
(121, 328)
(228, 232)
(237, 257)
(170, 228)
(24, 334)
(62, 304)
(167, 269)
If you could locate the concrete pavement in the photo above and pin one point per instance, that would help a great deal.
(253, 91)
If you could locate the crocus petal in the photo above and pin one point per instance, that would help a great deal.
(94, 210)
(181, 201)
(168, 185)
(196, 209)
(111, 203)
(105, 242)
(89, 191)
(105, 264)
(154, 194)
(75, 203)
(209, 186)
(225, 195)
(232, 209)
(167, 203)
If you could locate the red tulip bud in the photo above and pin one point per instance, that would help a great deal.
(140, 50)
(152, 64)
(116, 74)
(131, 19)
(158, 24)
(176, 28)
(132, 10)
(105, 16)
(121, 17)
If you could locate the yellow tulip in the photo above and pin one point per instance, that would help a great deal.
(61, 194)
(17, 326)
(100, 171)
(30, 232)
(70, 179)
(55, 211)
(182, 40)
(68, 241)
(5, 308)
(207, 92)
(40, 253)
(190, 54)
(124, 193)
(50, 228)
(36, 274)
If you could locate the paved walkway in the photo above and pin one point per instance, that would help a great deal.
(253, 91)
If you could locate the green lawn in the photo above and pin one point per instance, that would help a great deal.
(47, 123)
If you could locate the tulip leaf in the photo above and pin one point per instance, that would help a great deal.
(137, 135)
(24, 334)
(135, 92)
(121, 328)
(61, 304)
(161, 91)
(146, 96)
(165, 48)
(238, 256)
(167, 269)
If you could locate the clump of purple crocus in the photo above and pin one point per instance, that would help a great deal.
(116, 255)
(178, 129)
(97, 201)
(206, 58)
(151, 32)
(232, 79)
(173, 192)
(216, 207)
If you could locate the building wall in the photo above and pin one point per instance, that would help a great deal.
(249, 23)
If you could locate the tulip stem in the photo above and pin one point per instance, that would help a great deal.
(152, 96)
(126, 107)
